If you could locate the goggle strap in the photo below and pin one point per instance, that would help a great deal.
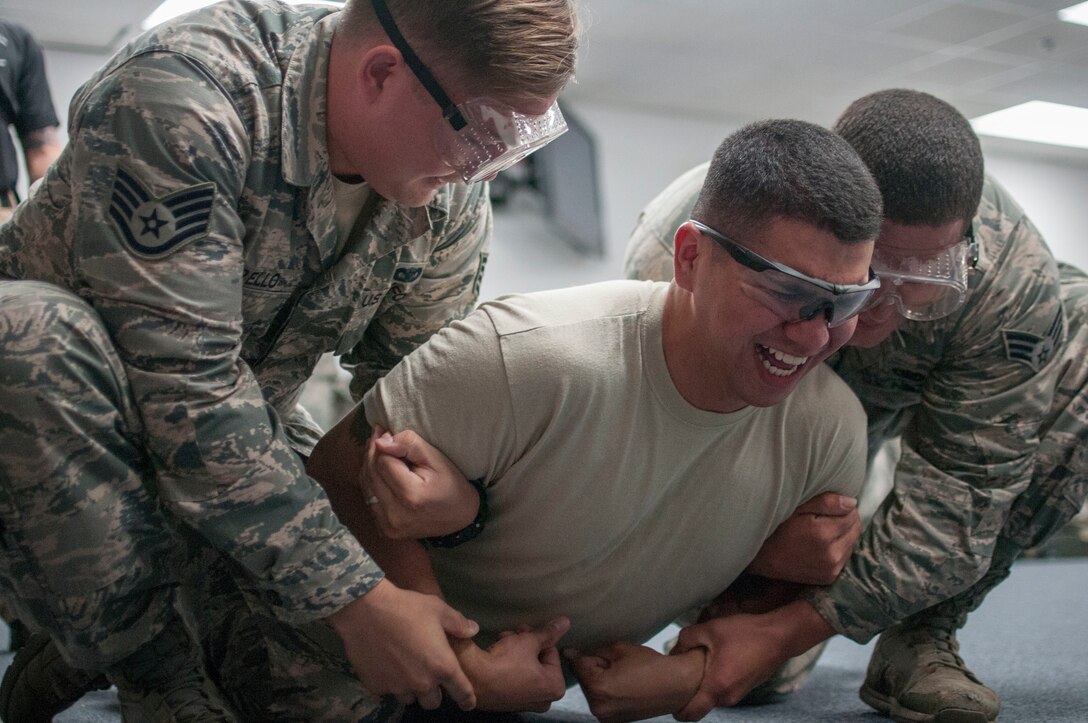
(449, 108)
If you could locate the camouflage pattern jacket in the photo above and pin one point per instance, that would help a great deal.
(193, 208)
(967, 393)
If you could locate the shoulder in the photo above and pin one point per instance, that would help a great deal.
(997, 203)
(234, 43)
(15, 34)
(673, 205)
(824, 401)
(650, 248)
(582, 335)
(1016, 283)
(1002, 229)
(588, 306)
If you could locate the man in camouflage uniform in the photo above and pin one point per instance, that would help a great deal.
(993, 459)
(204, 238)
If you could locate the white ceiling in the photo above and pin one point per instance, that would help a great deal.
(744, 59)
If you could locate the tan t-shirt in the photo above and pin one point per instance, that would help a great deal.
(613, 500)
(350, 199)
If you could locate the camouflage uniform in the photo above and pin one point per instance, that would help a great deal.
(971, 395)
(164, 295)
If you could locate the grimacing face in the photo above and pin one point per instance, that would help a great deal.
(749, 354)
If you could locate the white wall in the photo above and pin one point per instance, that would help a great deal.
(1054, 194)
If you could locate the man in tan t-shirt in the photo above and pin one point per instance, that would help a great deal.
(636, 442)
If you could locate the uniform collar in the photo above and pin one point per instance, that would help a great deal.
(304, 148)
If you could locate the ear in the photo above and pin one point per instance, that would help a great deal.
(376, 71)
(685, 252)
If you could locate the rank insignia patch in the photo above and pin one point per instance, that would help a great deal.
(1032, 349)
(154, 227)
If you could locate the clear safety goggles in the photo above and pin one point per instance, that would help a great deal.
(480, 137)
(925, 288)
(792, 295)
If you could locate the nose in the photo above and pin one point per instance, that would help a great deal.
(810, 335)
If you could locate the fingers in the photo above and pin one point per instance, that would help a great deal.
(406, 445)
(830, 530)
(549, 657)
(828, 503)
(691, 637)
(459, 689)
(457, 625)
(388, 444)
(585, 667)
(431, 699)
(549, 634)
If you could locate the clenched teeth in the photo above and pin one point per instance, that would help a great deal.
(794, 362)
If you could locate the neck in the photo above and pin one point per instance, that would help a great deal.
(338, 79)
(687, 368)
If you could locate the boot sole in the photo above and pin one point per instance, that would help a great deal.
(890, 707)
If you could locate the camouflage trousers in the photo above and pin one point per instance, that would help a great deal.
(269, 670)
(1057, 492)
(87, 554)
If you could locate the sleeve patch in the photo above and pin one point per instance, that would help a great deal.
(1032, 349)
(155, 227)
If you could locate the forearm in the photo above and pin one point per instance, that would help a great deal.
(40, 148)
(931, 539)
(337, 463)
(752, 594)
(787, 606)
(801, 625)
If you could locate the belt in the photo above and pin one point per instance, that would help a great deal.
(8, 199)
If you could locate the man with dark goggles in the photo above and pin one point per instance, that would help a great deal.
(792, 295)
(481, 136)
(657, 364)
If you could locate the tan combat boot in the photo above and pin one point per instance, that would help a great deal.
(916, 674)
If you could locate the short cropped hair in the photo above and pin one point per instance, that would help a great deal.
(507, 49)
(923, 153)
(790, 169)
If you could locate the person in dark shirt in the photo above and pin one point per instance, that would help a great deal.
(25, 103)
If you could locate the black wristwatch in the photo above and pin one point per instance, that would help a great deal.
(473, 529)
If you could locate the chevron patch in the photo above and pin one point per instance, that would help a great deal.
(1032, 349)
(155, 227)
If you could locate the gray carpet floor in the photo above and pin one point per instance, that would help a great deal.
(1029, 641)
